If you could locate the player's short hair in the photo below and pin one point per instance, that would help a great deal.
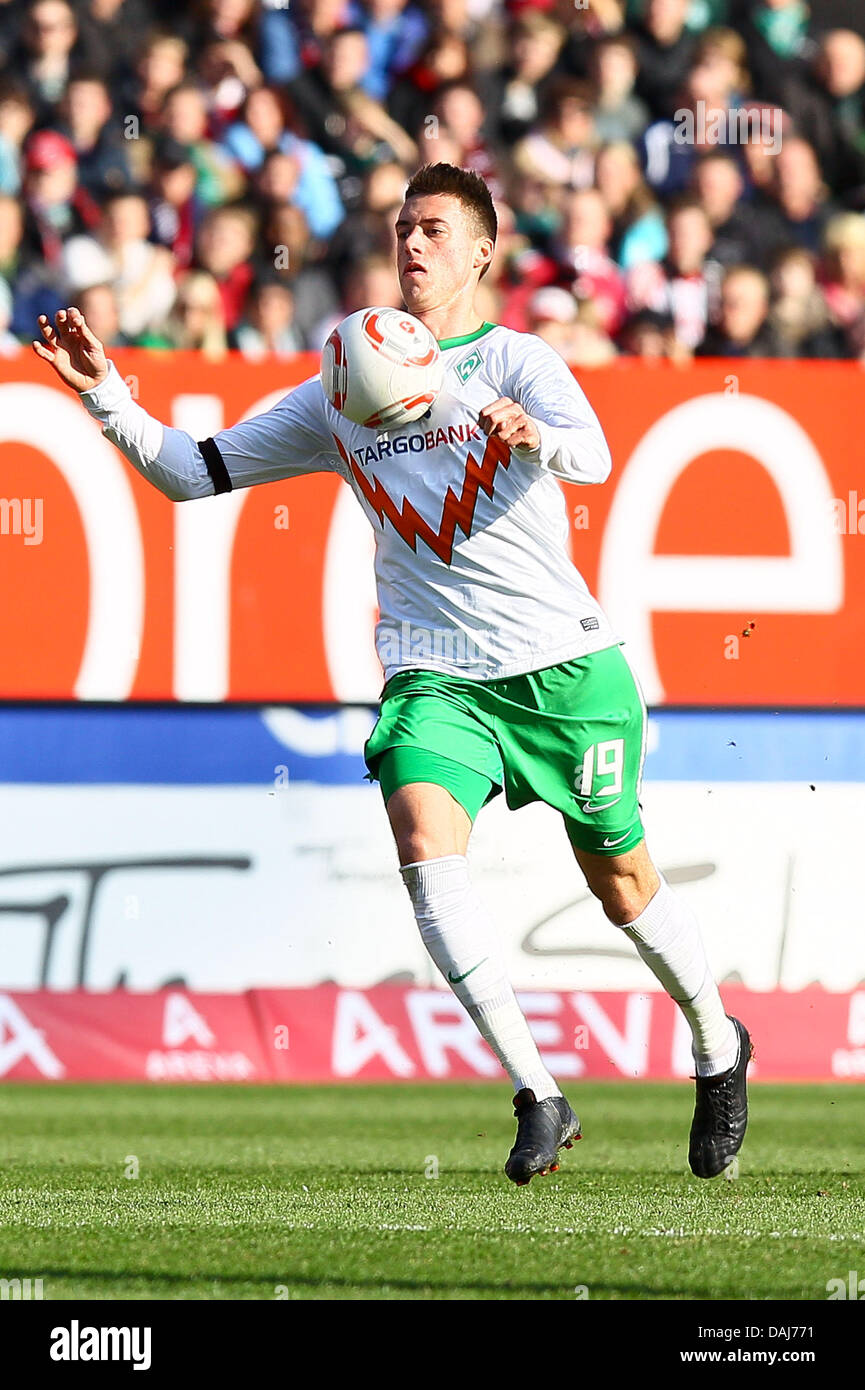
(464, 185)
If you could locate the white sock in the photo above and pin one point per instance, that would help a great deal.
(667, 936)
(462, 941)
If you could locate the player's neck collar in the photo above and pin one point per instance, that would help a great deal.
(445, 343)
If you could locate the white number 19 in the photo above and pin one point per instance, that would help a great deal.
(605, 759)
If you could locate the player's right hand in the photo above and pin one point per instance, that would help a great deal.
(74, 352)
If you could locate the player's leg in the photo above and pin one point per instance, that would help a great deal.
(432, 801)
(427, 822)
(637, 899)
(432, 828)
(582, 751)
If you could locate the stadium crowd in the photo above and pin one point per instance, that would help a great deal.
(673, 177)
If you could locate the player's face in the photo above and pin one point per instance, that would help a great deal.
(439, 254)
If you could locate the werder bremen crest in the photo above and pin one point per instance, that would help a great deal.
(469, 365)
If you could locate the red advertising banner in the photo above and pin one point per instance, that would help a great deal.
(736, 510)
(166, 1036)
(394, 1033)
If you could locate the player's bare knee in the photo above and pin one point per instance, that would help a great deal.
(416, 845)
(624, 894)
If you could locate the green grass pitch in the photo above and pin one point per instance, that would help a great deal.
(397, 1192)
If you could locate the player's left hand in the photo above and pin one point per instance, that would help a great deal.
(510, 423)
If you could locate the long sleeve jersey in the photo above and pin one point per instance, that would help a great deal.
(473, 568)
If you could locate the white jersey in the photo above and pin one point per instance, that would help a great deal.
(473, 568)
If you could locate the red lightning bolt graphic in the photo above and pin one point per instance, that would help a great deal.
(457, 511)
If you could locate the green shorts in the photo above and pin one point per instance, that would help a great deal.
(572, 735)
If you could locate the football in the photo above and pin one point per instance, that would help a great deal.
(382, 368)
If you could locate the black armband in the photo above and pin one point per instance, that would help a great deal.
(215, 464)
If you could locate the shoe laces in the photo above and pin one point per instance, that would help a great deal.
(716, 1099)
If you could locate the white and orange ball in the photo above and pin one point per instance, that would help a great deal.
(381, 368)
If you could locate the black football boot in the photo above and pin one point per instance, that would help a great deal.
(543, 1127)
(721, 1113)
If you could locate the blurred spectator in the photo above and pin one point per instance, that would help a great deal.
(458, 108)
(639, 231)
(268, 324)
(709, 113)
(444, 58)
(228, 73)
(48, 36)
(651, 335)
(437, 146)
(551, 305)
(742, 329)
(681, 286)
(277, 178)
(372, 281)
(572, 329)
(175, 210)
(581, 251)
(844, 281)
(226, 20)
(262, 131)
(98, 304)
(100, 148)
(619, 113)
(758, 156)
(799, 316)
(517, 271)
(742, 231)
(466, 19)
(560, 149)
(293, 38)
(10, 346)
(395, 32)
(16, 122)
(57, 206)
(586, 24)
(197, 321)
(372, 226)
(537, 203)
(665, 51)
(286, 251)
(777, 35)
(142, 274)
(535, 43)
(224, 248)
(840, 134)
(112, 33)
(160, 68)
(185, 119)
(800, 196)
(11, 232)
(340, 116)
(552, 313)
(35, 288)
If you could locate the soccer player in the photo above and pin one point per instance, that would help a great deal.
(521, 686)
